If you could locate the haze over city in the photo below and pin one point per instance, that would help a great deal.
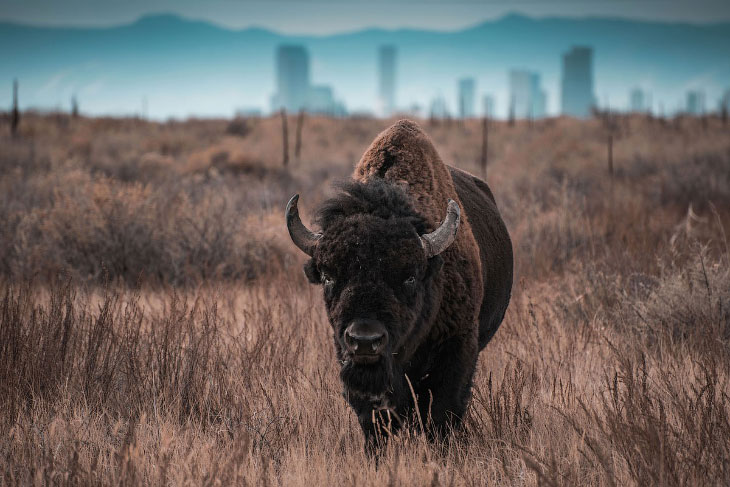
(220, 60)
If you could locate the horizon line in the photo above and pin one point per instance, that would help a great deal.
(477, 24)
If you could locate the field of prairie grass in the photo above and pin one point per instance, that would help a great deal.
(156, 327)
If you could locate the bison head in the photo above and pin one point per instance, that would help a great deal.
(379, 268)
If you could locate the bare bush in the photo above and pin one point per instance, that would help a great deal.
(181, 343)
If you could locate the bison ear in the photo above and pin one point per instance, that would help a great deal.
(310, 270)
(435, 264)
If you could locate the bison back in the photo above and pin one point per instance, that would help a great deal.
(495, 250)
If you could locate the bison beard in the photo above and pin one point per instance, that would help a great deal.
(397, 291)
(374, 391)
(371, 381)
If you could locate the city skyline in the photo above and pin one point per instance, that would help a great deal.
(294, 88)
(528, 100)
(218, 72)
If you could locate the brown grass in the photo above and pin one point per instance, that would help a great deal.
(155, 326)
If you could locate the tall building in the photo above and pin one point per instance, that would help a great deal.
(321, 100)
(528, 100)
(386, 76)
(636, 100)
(648, 102)
(488, 106)
(577, 83)
(725, 101)
(292, 78)
(539, 102)
(695, 102)
(467, 95)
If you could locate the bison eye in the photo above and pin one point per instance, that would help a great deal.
(410, 282)
(327, 280)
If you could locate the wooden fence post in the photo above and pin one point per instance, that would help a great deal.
(284, 137)
(74, 107)
(462, 110)
(485, 146)
(298, 141)
(610, 155)
(511, 121)
(15, 115)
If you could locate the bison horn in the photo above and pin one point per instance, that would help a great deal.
(302, 237)
(439, 240)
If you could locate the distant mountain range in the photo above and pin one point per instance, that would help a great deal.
(179, 67)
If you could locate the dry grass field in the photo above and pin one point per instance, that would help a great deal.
(156, 327)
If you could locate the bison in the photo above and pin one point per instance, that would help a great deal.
(416, 267)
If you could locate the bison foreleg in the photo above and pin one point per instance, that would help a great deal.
(443, 394)
(378, 419)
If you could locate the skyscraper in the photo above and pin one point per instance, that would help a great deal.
(292, 78)
(577, 83)
(386, 76)
(488, 105)
(695, 102)
(636, 100)
(527, 97)
(725, 100)
(466, 97)
(321, 100)
(539, 101)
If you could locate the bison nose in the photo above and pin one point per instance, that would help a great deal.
(365, 338)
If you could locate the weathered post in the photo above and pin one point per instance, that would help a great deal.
(284, 137)
(462, 113)
(512, 112)
(610, 156)
(74, 107)
(298, 142)
(485, 146)
(662, 116)
(15, 115)
(144, 108)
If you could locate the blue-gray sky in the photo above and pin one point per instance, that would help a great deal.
(329, 16)
(181, 68)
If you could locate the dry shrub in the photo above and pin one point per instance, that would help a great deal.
(204, 357)
(680, 431)
(240, 126)
(134, 232)
(690, 301)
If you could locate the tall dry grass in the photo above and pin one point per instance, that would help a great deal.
(155, 327)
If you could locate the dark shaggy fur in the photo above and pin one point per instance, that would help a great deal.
(495, 250)
(438, 312)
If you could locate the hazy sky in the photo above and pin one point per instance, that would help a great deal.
(328, 16)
